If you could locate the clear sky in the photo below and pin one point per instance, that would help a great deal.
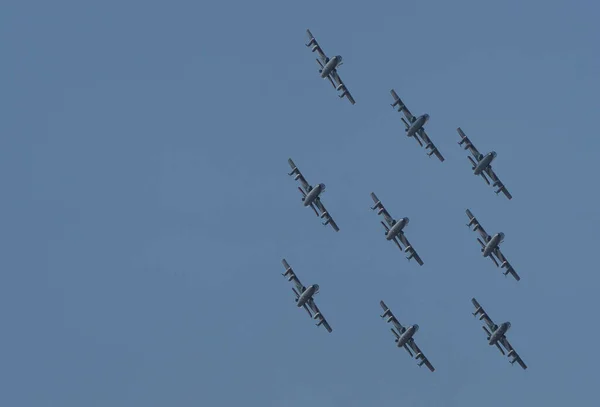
(146, 204)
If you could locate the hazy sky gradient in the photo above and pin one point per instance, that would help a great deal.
(146, 206)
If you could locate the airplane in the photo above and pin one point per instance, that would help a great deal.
(482, 164)
(305, 296)
(311, 196)
(414, 126)
(395, 231)
(404, 336)
(329, 67)
(491, 247)
(496, 334)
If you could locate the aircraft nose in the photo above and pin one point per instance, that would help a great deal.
(406, 220)
(416, 327)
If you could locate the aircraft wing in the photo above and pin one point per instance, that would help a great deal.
(339, 85)
(505, 264)
(319, 316)
(496, 182)
(512, 352)
(324, 214)
(408, 248)
(402, 108)
(291, 276)
(429, 145)
(381, 210)
(420, 355)
(468, 144)
(479, 311)
(298, 175)
(473, 221)
(387, 312)
(312, 42)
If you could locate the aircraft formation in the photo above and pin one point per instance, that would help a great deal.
(395, 228)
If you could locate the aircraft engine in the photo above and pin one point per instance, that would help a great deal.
(340, 86)
(380, 211)
(296, 177)
(419, 355)
(317, 315)
(390, 319)
(324, 214)
(408, 249)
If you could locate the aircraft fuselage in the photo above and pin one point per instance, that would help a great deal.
(405, 337)
(330, 66)
(307, 294)
(499, 333)
(484, 163)
(417, 125)
(493, 244)
(396, 229)
(313, 194)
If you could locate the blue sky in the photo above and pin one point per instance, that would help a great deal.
(147, 208)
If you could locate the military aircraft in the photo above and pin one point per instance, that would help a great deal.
(404, 336)
(414, 126)
(395, 231)
(490, 246)
(305, 296)
(496, 335)
(482, 164)
(329, 67)
(311, 196)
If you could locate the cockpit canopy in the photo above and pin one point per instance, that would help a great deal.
(507, 325)
(339, 58)
(406, 220)
(493, 153)
(322, 187)
(316, 287)
(416, 327)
